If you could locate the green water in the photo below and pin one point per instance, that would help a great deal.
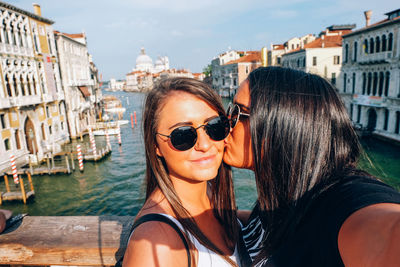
(114, 186)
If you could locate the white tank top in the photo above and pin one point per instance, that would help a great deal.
(207, 258)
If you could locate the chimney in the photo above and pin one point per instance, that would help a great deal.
(36, 9)
(367, 15)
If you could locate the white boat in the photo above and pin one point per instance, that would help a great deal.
(115, 110)
(111, 131)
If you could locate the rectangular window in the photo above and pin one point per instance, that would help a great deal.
(7, 144)
(279, 60)
(333, 79)
(17, 139)
(2, 121)
(336, 60)
(314, 61)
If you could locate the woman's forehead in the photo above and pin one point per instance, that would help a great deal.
(184, 107)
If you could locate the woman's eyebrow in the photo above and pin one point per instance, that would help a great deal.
(182, 123)
(187, 123)
(242, 106)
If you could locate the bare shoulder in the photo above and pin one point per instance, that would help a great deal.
(371, 236)
(155, 244)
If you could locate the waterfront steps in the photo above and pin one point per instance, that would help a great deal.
(65, 240)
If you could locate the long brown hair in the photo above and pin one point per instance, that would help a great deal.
(303, 143)
(222, 194)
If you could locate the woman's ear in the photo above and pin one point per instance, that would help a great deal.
(158, 152)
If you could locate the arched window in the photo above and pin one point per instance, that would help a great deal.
(358, 113)
(387, 80)
(375, 85)
(8, 86)
(364, 83)
(366, 46)
(351, 112)
(355, 51)
(377, 44)
(397, 124)
(386, 121)
(371, 45)
(6, 38)
(381, 80)
(22, 84)
(346, 53)
(344, 82)
(34, 86)
(13, 34)
(369, 83)
(28, 85)
(390, 43)
(383, 43)
(15, 85)
(353, 89)
(17, 141)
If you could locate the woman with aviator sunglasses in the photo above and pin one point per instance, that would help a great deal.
(184, 127)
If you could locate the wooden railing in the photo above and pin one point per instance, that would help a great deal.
(65, 240)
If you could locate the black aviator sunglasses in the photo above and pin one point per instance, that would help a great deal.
(185, 137)
(234, 114)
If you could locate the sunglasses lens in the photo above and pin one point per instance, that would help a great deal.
(234, 115)
(183, 138)
(218, 128)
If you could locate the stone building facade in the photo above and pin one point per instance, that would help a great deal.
(32, 101)
(78, 80)
(370, 84)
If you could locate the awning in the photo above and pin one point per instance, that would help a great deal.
(84, 90)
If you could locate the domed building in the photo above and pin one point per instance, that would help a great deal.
(141, 77)
(144, 62)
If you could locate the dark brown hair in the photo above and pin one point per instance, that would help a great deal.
(222, 194)
(303, 143)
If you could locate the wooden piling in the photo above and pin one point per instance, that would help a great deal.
(67, 162)
(72, 161)
(30, 181)
(6, 182)
(21, 181)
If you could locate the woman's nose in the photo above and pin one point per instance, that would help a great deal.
(203, 140)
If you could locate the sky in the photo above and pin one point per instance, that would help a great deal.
(191, 33)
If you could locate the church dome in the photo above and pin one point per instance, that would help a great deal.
(143, 60)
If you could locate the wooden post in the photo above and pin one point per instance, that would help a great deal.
(48, 162)
(72, 161)
(22, 189)
(67, 162)
(6, 182)
(52, 161)
(30, 181)
(30, 166)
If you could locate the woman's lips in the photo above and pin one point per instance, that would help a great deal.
(204, 160)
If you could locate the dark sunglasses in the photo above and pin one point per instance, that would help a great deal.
(234, 114)
(185, 137)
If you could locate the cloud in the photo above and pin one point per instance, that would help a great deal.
(176, 33)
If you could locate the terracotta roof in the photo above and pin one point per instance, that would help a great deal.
(373, 25)
(327, 41)
(278, 46)
(134, 72)
(71, 35)
(252, 56)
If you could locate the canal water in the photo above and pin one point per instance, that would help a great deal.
(114, 186)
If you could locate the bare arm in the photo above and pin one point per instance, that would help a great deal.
(371, 236)
(155, 244)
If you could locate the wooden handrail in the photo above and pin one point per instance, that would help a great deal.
(66, 240)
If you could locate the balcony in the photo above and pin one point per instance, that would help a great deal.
(47, 98)
(376, 58)
(372, 101)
